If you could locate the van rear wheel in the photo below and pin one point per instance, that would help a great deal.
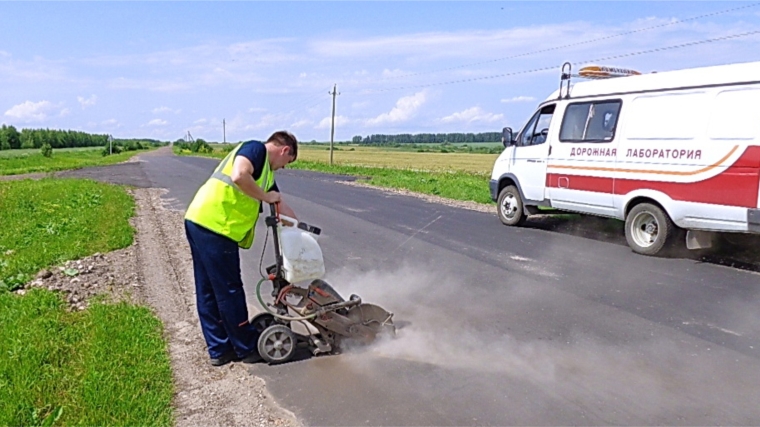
(510, 206)
(648, 229)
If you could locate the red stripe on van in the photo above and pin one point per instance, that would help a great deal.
(736, 186)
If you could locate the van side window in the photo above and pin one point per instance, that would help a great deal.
(536, 130)
(590, 121)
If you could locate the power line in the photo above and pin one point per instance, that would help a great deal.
(307, 100)
(302, 101)
(679, 21)
(313, 104)
(535, 70)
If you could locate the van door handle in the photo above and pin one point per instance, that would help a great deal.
(550, 150)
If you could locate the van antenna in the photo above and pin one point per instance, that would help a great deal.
(566, 74)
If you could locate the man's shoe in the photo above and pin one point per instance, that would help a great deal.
(252, 358)
(224, 359)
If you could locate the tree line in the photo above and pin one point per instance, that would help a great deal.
(48, 139)
(11, 138)
(427, 138)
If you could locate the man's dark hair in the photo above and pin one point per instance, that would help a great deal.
(285, 138)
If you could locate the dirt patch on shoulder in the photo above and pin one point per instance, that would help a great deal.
(113, 275)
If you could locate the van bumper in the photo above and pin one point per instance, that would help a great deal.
(753, 220)
(494, 185)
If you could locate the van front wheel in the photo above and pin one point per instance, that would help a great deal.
(510, 206)
(648, 229)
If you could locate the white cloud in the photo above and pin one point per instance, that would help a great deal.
(152, 85)
(465, 43)
(267, 121)
(405, 109)
(326, 123)
(205, 65)
(157, 122)
(301, 123)
(110, 123)
(65, 112)
(200, 121)
(470, 115)
(163, 109)
(393, 73)
(256, 110)
(30, 111)
(529, 46)
(87, 102)
(520, 98)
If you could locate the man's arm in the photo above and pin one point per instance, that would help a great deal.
(242, 176)
(286, 210)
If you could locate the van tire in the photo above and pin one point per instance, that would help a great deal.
(510, 206)
(648, 229)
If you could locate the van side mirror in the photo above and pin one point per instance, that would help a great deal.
(506, 137)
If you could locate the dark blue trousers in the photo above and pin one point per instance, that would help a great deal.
(219, 293)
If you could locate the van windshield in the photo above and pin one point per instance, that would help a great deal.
(536, 130)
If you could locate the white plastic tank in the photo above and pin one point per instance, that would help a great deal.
(301, 254)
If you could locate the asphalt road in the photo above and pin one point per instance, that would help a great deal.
(503, 326)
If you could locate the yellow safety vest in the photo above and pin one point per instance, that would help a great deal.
(222, 207)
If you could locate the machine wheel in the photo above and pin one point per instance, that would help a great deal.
(510, 206)
(262, 321)
(277, 344)
(648, 229)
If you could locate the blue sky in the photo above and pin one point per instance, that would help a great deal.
(160, 69)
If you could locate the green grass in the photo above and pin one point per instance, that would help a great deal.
(455, 185)
(47, 221)
(21, 152)
(107, 365)
(34, 161)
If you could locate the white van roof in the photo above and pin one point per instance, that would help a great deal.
(691, 77)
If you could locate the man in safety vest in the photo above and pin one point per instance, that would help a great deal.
(222, 218)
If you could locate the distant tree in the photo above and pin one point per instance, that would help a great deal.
(46, 150)
(27, 138)
(14, 139)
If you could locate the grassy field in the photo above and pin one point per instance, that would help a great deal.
(458, 176)
(29, 151)
(455, 185)
(400, 159)
(12, 163)
(107, 365)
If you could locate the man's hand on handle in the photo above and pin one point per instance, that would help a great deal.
(272, 197)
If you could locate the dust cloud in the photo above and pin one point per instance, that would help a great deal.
(428, 334)
(648, 373)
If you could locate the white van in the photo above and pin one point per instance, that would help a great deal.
(656, 150)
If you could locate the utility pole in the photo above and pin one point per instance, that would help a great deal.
(110, 145)
(224, 127)
(332, 128)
